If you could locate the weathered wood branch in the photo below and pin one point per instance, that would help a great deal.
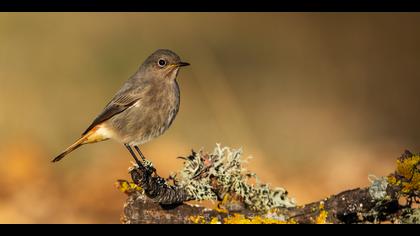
(159, 202)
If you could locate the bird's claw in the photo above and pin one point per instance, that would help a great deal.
(148, 165)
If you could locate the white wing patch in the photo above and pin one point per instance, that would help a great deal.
(100, 134)
(105, 132)
(136, 104)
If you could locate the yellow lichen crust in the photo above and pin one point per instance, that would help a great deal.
(197, 219)
(322, 217)
(220, 210)
(127, 187)
(221, 205)
(241, 219)
(201, 220)
(215, 221)
(323, 214)
(407, 175)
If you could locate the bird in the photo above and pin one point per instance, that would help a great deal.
(141, 110)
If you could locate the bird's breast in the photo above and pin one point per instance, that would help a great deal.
(150, 117)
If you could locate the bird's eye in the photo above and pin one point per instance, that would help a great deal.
(161, 62)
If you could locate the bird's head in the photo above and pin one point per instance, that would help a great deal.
(163, 64)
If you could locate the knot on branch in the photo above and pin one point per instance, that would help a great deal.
(157, 189)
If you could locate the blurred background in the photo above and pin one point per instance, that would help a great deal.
(320, 100)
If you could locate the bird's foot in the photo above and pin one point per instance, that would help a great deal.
(149, 167)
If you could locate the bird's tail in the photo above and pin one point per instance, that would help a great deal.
(91, 137)
(72, 147)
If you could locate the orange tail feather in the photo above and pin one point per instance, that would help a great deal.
(72, 147)
(91, 137)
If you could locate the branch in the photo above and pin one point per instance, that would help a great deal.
(151, 199)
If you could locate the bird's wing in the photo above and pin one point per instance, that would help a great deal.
(125, 98)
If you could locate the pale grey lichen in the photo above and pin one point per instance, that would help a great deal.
(212, 176)
(411, 216)
(377, 189)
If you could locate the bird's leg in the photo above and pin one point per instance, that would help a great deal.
(144, 159)
(133, 154)
(140, 153)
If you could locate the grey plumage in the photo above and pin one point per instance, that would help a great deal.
(143, 108)
(150, 110)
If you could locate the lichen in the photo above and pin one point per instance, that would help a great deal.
(237, 218)
(215, 221)
(127, 187)
(411, 216)
(212, 176)
(241, 219)
(407, 175)
(221, 206)
(377, 189)
(322, 216)
(197, 219)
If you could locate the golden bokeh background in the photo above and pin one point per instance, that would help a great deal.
(320, 100)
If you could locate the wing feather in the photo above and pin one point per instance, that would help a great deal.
(124, 99)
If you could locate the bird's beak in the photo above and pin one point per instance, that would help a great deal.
(181, 64)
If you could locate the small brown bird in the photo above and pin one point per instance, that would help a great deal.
(142, 109)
